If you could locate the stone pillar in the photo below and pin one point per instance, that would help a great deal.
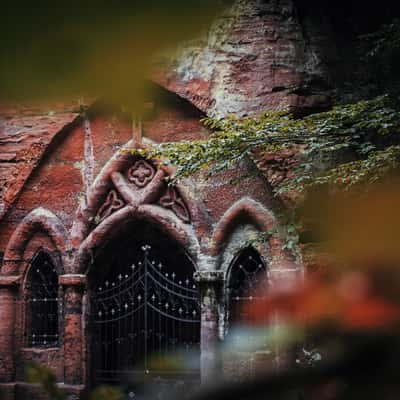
(8, 289)
(210, 284)
(74, 286)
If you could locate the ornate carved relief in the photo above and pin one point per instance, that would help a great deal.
(172, 200)
(141, 173)
(148, 188)
(112, 204)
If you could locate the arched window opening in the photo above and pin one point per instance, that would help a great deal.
(42, 302)
(248, 277)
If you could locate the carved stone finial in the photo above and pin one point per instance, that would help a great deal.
(137, 131)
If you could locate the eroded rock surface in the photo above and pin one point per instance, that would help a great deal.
(257, 55)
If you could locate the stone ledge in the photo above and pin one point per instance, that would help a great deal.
(70, 387)
(7, 390)
(209, 276)
(72, 280)
(12, 280)
(20, 390)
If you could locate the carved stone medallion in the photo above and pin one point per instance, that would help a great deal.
(141, 173)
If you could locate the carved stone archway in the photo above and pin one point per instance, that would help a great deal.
(38, 220)
(142, 295)
(11, 274)
(247, 211)
(129, 188)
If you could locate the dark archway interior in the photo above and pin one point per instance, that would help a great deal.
(145, 317)
(247, 275)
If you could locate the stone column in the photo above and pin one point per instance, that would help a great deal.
(210, 284)
(74, 286)
(8, 289)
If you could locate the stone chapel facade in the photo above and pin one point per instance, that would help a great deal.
(86, 202)
(101, 260)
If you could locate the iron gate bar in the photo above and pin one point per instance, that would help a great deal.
(146, 249)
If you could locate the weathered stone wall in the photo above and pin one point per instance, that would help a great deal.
(56, 176)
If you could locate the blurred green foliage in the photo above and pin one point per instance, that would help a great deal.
(37, 374)
(105, 392)
(40, 375)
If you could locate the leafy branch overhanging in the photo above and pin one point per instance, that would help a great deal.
(350, 144)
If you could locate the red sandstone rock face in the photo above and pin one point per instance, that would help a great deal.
(258, 55)
(172, 118)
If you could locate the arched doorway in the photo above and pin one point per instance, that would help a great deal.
(145, 311)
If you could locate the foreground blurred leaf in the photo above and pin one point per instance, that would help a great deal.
(358, 289)
(339, 303)
(37, 374)
(96, 47)
(105, 392)
(360, 228)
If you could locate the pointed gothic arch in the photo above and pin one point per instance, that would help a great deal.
(184, 235)
(245, 211)
(131, 187)
(144, 300)
(38, 220)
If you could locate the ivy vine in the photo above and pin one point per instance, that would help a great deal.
(347, 145)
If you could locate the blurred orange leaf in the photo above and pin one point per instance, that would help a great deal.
(317, 302)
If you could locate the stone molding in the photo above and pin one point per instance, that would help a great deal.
(72, 280)
(251, 211)
(12, 281)
(38, 220)
(209, 277)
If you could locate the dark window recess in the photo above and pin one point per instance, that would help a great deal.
(248, 280)
(42, 303)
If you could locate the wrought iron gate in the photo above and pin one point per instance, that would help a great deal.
(146, 318)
